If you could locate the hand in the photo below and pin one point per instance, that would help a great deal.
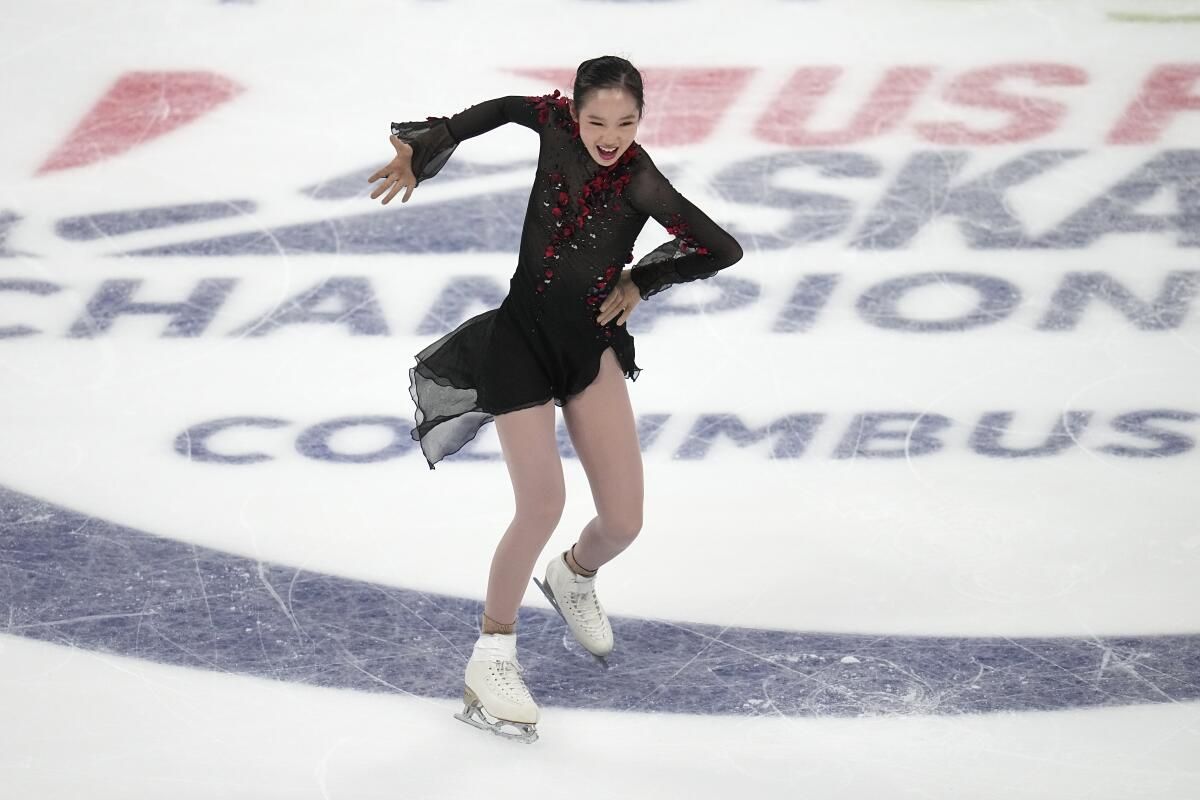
(621, 301)
(398, 174)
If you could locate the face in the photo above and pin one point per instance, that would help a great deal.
(608, 123)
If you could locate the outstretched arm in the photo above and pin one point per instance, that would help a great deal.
(700, 248)
(434, 140)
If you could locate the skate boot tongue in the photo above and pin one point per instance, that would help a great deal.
(582, 583)
(499, 647)
(496, 647)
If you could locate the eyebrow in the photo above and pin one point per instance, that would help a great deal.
(597, 116)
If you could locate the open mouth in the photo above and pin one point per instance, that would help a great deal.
(607, 155)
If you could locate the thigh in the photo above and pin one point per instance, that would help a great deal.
(530, 449)
(603, 432)
(510, 372)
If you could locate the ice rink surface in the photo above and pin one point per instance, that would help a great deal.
(921, 507)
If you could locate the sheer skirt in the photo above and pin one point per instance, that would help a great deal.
(492, 364)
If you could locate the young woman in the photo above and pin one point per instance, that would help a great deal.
(557, 339)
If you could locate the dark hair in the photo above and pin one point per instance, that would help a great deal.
(607, 72)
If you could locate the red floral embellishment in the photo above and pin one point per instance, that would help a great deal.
(596, 196)
(679, 228)
(600, 289)
(543, 103)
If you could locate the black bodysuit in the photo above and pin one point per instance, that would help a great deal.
(544, 342)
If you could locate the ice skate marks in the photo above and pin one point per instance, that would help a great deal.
(79, 580)
(554, 602)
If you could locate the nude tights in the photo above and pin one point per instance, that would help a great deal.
(603, 431)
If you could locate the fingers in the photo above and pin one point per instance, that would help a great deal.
(614, 306)
(396, 189)
(404, 181)
(397, 175)
(383, 187)
(605, 305)
(395, 181)
(380, 189)
(623, 313)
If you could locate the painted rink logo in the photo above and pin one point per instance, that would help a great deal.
(956, 188)
(79, 581)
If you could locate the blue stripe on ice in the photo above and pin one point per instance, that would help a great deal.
(483, 223)
(107, 224)
(9, 220)
(354, 183)
(79, 581)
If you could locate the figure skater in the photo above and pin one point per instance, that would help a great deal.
(558, 338)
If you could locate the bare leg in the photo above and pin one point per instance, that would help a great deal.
(603, 431)
(531, 453)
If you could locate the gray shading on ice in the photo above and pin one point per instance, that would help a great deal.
(80, 581)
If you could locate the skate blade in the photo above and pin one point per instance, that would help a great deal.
(554, 602)
(474, 715)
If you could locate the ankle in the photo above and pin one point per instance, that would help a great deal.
(492, 626)
(575, 566)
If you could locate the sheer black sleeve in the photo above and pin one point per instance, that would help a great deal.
(434, 140)
(700, 247)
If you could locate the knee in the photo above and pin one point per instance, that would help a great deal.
(623, 527)
(542, 511)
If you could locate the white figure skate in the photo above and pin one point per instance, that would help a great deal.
(574, 598)
(495, 698)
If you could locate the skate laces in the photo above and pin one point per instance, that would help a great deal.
(505, 676)
(579, 597)
(584, 601)
(500, 651)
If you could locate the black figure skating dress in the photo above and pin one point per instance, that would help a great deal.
(544, 342)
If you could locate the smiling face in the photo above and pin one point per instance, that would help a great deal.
(608, 123)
